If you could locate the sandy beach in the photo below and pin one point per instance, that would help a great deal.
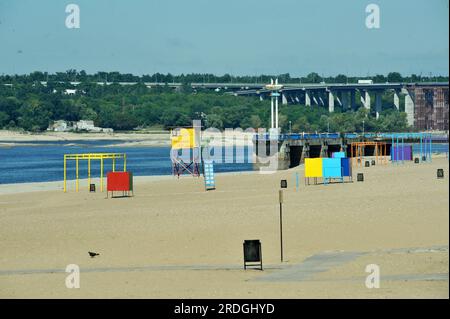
(128, 139)
(174, 240)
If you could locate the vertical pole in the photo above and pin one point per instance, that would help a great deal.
(392, 150)
(89, 172)
(101, 174)
(271, 111)
(281, 230)
(276, 112)
(114, 163)
(124, 162)
(421, 155)
(65, 178)
(397, 150)
(431, 148)
(296, 181)
(403, 150)
(281, 223)
(76, 182)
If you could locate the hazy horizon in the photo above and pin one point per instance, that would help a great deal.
(251, 37)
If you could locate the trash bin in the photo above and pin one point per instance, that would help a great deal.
(252, 254)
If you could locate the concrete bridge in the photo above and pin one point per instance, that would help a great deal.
(292, 149)
(345, 95)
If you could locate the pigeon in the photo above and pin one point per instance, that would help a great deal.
(92, 254)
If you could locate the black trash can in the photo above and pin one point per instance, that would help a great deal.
(440, 173)
(252, 254)
(367, 164)
(360, 177)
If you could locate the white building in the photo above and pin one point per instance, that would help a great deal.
(84, 125)
(70, 91)
(59, 126)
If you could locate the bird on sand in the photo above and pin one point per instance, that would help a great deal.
(92, 254)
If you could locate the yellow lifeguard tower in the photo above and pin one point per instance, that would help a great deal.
(186, 150)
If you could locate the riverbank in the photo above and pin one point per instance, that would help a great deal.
(119, 139)
(174, 240)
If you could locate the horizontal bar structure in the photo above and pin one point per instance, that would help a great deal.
(92, 156)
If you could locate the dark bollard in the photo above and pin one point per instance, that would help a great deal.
(360, 177)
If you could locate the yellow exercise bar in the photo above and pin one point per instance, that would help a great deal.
(89, 157)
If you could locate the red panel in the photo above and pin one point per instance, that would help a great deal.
(118, 181)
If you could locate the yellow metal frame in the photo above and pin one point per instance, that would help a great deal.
(89, 157)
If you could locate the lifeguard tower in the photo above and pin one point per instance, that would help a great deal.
(186, 150)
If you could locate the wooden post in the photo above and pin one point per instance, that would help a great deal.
(89, 172)
(101, 174)
(76, 182)
(65, 169)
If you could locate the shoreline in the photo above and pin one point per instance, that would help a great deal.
(28, 187)
(10, 139)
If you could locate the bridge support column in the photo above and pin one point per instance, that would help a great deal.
(397, 100)
(284, 100)
(409, 108)
(307, 98)
(330, 102)
(322, 102)
(314, 98)
(365, 99)
(378, 104)
(344, 96)
(352, 99)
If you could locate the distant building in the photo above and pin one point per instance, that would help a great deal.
(59, 126)
(70, 91)
(83, 125)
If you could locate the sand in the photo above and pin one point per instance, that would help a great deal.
(174, 240)
(128, 139)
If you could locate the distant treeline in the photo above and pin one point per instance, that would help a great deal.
(82, 76)
(32, 106)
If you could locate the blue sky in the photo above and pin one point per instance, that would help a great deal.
(227, 36)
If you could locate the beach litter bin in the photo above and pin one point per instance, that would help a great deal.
(360, 177)
(367, 164)
(416, 160)
(252, 254)
(283, 183)
(92, 188)
(440, 173)
(373, 162)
